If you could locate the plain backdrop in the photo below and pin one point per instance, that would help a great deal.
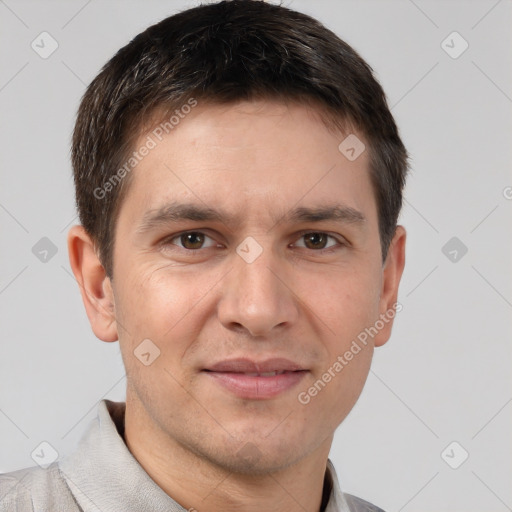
(443, 378)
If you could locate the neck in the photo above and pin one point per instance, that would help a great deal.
(199, 484)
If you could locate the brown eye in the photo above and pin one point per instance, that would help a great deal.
(316, 240)
(319, 242)
(192, 240)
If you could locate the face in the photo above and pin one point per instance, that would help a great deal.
(247, 252)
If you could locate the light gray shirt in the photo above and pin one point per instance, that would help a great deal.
(101, 475)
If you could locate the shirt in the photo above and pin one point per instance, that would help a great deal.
(102, 475)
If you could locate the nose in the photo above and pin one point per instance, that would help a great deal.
(258, 296)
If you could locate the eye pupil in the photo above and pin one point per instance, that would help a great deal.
(192, 240)
(315, 238)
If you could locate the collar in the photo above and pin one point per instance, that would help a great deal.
(103, 475)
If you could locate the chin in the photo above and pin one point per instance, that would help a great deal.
(255, 455)
(250, 460)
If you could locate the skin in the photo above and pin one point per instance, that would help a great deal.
(204, 446)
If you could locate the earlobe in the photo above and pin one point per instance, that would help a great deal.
(95, 286)
(392, 274)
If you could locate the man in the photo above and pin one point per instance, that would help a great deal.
(238, 179)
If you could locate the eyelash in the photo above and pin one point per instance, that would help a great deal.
(168, 241)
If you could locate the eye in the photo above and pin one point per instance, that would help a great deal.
(191, 240)
(318, 241)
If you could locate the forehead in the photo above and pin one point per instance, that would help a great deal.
(249, 158)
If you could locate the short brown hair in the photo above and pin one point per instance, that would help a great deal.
(227, 52)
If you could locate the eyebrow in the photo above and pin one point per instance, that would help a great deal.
(175, 212)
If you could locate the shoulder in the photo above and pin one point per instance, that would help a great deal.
(35, 489)
(356, 504)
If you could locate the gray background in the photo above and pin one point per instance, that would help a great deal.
(445, 375)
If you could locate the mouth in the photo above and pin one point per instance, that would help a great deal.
(254, 380)
(263, 374)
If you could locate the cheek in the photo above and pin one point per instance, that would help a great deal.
(352, 378)
(346, 301)
(163, 305)
(159, 313)
(333, 391)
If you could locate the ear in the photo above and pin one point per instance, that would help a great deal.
(95, 286)
(392, 273)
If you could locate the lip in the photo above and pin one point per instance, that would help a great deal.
(243, 365)
(240, 377)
